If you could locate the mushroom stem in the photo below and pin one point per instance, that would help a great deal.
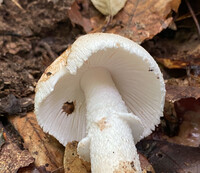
(112, 147)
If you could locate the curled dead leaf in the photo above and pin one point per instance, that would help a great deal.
(109, 7)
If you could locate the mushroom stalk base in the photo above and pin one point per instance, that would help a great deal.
(111, 146)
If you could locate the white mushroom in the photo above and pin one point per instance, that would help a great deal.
(116, 94)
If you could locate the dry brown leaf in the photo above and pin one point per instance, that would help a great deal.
(12, 157)
(145, 165)
(139, 20)
(109, 7)
(182, 115)
(177, 50)
(73, 164)
(189, 130)
(45, 149)
(171, 158)
(76, 17)
(175, 92)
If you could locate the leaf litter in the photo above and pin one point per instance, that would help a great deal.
(12, 156)
(33, 33)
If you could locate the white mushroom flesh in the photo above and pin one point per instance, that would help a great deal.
(107, 77)
(111, 139)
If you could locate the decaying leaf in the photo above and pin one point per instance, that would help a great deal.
(46, 150)
(76, 17)
(73, 164)
(167, 157)
(145, 164)
(176, 92)
(184, 46)
(181, 122)
(12, 157)
(189, 130)
(139, 20)
(187, 112)
(109, 7)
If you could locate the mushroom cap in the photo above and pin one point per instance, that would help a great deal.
(134, 72)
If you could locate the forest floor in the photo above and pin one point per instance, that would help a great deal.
(33, 33)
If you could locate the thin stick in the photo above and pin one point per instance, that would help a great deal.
(193, 16)
(17, 4)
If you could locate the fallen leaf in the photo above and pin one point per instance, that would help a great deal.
(45, 149)
(189, 130)
(72, 162)
(109, 7)
(12, 157)
(145, 164)
(166, 157)
(181, 123)
(139, 20)
(184, 46)
(176, 92)
(76, 17)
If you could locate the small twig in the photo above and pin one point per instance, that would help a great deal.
(193, 16)
(17, 4)
(60, 169)
(108, 21)
(9, 33)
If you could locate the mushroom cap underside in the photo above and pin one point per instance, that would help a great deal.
(134, 72)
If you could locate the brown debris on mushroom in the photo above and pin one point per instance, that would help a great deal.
(102, 123)
(127, 167)
(68, 107)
